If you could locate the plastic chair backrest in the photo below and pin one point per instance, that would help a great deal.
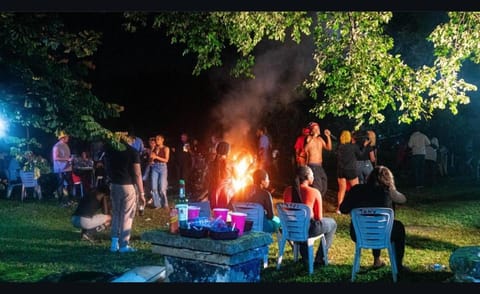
(373, 226)
(28, 179)
(205, 209)
(294, 220)
(255, 213)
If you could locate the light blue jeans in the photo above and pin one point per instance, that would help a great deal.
(124, 199)
(159, 175)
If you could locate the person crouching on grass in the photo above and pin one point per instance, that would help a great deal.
(86, 216)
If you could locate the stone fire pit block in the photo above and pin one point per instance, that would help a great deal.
(208, 260)
(465, 264)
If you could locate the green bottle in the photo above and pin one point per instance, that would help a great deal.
(182, 205)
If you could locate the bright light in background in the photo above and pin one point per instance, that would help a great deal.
(3, 127)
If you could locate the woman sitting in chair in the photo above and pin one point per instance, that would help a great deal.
(378, 191)
(302, 192)
(258, 193)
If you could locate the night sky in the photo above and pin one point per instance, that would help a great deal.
(150, 77)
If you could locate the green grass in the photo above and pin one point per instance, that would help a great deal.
(38, 240)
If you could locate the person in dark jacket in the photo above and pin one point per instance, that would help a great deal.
(379, 191)
(87, 216)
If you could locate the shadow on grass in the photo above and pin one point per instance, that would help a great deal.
(418, 242)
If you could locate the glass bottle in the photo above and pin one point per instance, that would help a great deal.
(182, 205)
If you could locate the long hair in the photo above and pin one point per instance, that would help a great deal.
(372, 138)
(302, 174)
(381, 176)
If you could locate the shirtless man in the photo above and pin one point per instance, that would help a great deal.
(313, 149)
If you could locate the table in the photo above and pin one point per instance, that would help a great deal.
(208, 260)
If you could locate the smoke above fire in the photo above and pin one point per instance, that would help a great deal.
(245, 103)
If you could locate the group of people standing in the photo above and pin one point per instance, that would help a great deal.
(355, 156)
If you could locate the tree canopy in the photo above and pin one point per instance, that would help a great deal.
(43, 70)
(357, 70)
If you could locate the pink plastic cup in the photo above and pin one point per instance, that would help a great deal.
(193, 212)
(238, 220)
(223, 212)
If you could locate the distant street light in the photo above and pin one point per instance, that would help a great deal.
(3, 127)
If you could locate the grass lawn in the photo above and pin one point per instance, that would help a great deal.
(38, 240)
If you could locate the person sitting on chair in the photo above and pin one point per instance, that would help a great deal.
(86, 217)
(378, 191)
(302, 192)
(258, 193)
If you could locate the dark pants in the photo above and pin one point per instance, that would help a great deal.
(320, 180)
(326, 226)
(62, 178)
(418, 164)
(397, 236)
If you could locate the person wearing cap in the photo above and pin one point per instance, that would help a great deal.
(313, 149)
(378, 191)
(62, 164)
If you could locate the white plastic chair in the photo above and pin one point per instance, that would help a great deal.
(29, 181)
(373, 228)
(295, 222)
(205, 209)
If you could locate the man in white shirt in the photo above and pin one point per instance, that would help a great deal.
(418, 142)
(62, 165)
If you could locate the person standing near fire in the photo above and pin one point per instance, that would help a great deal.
(299, 147)
(264, 153)
(183, 159)
(314, 147)
(219, 177)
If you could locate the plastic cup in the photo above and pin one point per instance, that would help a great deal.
(193, 212)
(223, 212)
(238, 220)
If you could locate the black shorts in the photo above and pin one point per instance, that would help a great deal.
(348, 174)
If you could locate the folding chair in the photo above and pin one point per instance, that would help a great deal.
(295, 222)
(373, 228)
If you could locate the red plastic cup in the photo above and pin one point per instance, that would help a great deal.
(238, 220)
(223, 212)
(193, 212)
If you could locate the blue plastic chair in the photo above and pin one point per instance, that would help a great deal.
(373, 228)
(295, 222)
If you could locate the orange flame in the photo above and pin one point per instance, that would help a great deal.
(243, 166)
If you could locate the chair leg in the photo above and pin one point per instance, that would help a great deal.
(281, 247)
(356, 262)
(310, 256)
(324, 249)
(23, 195)
(393, 262)
(296, 248)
